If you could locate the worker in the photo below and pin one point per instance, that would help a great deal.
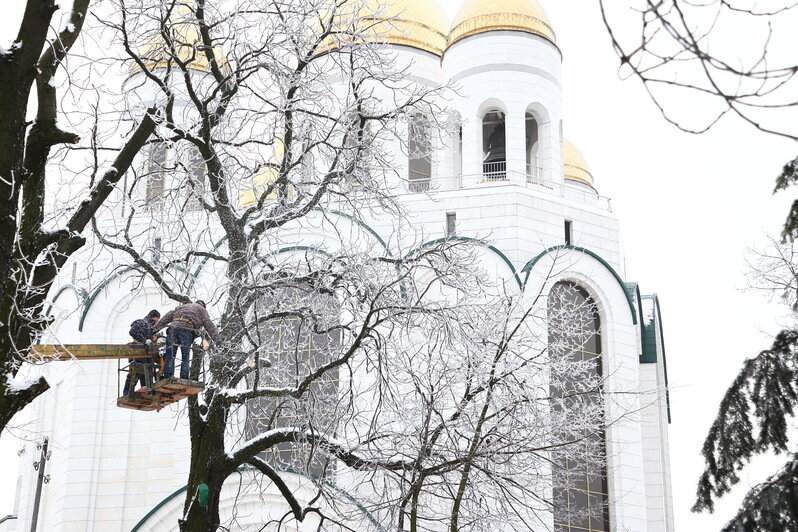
(185, 323)
(141, 331)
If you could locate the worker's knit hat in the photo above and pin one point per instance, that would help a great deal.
(154, 314)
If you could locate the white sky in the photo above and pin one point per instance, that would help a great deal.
(689, 206)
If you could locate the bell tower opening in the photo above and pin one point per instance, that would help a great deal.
(494, 146)
(534, 172)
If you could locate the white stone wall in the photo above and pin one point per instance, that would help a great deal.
(512, 71)
(659, 497)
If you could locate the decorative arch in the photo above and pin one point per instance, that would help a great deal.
(531, 264)
(91, 298)
(539, 138)
(489, 105)
(360, 223)
(540, 113)
(496, 251)
(97, 291)
(80, 293)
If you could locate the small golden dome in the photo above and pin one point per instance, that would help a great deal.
(420, 24)
(574, 165)
(481, 16)
(186, 39)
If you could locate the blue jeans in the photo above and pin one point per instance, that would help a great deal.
(183, 338)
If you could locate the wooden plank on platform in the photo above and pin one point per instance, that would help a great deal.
(173, 385)
(48, 353)
(143, 402)
(164, 392)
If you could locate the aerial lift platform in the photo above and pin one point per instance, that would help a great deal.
(144, 361)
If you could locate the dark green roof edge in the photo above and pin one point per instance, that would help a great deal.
(651, 326)
(531, 264)
(315, 478)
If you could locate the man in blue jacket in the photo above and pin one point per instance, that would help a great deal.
(141, 330)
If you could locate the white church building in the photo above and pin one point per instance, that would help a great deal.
(507, 176)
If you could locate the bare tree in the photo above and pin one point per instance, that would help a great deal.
(681, 49)
(37, 238)
(276, 121)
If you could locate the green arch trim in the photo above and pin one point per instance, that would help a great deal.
(531, 264)
(203, 262)
(314, 249)
(481, 243)
(80, 292)
(357, 221)
(96, 292)
(88, 300)
(365, 226)
(315, 478)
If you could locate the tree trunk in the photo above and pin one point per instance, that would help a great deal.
(210, 466)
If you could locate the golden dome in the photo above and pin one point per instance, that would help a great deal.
(420, 24)
(480, 16)
(574, 165)
(186, 39)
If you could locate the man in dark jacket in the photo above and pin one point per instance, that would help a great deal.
(141, 331)
(185, 323)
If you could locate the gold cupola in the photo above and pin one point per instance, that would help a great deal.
(420, 24)
(482, 16)
(574, 165)
(186, 40)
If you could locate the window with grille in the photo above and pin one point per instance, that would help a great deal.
(194, 164)
(296, 344)
(419, 147)
(156, 175)
(580, 494)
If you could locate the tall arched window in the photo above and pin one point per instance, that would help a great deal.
(156, 175)
(304, 338)
(533, 170)
(193, 164)
(456, 143)
(419, 148)
(494, 146)
(580, 490)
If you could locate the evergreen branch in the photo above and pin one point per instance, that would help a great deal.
(752, 418)
(772, 505)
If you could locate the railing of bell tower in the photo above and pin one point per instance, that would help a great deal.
(499, 175)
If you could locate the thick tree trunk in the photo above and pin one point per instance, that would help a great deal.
(210, 466)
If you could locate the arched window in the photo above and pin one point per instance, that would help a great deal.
(533, 169)
(194, 167)
(419, 151)
(580, 489)
(456, 143)
(156, 175)
(494, 146)
(303, 338)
